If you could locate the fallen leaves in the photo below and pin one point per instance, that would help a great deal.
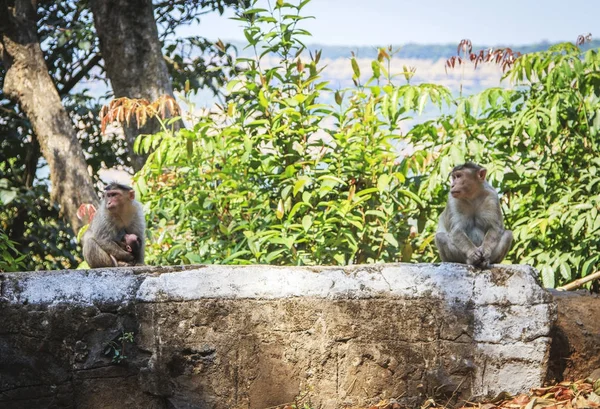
(565, 395)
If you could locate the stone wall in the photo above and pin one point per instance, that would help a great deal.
(260, 336)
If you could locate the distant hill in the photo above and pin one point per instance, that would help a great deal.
(416, 51)
(428, 61)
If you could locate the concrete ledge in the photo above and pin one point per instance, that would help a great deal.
(258, 336)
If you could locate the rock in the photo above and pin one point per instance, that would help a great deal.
(259, 336)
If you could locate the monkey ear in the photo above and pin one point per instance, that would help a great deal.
(482, 173)
(131, 194)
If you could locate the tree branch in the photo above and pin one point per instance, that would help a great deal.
(74, 80)
(578, 283)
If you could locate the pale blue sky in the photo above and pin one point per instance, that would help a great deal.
(383, 22)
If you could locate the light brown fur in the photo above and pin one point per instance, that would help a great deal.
(119, 214)
(471, 229)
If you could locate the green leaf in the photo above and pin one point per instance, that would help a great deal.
(7, 196)
(299, 185)
(577, 227)
(262, 99)
(390, 239)
(547, 276)
(355, 68)
(331, 178)
(307, 222)
(274, 255)
(383, 182)
(587, 266)
(280, 209)
(375, 68)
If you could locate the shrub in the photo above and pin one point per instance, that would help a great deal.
(280, 175)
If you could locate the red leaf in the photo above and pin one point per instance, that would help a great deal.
(86, 210)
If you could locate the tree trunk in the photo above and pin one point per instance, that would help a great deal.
(28, 82)
(133, 58)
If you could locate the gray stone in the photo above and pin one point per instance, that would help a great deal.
(260, 336)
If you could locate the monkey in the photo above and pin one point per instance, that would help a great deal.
(130, 243)
(119, 215)
(471, 229)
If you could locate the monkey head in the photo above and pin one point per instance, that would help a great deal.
(467, 181)
(132, 243)
(117, 197)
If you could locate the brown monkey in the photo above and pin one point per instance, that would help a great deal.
(131, 244)
(471, 229)
(119, 215)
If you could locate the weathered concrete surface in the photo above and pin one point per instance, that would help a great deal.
(575, 351)
(259, 336)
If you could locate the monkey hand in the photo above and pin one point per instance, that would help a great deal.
(480, 258)
(484, 264)
(123, 257)
(121, 262)
(485, 258)
(475, 257)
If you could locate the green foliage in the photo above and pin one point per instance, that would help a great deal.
(288, 171)
(31, 220)
(10, 258)
(540, 141)
(281, 176)
(116, 348)
(32, 224)
(278, 176)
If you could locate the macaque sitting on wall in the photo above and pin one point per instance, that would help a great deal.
(471, 229)
(120, 216)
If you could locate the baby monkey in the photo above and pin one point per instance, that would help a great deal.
(471, 229)
(131, 243)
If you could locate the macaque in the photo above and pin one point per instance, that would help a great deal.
(118, 217)
(471, 229)
(130, 243)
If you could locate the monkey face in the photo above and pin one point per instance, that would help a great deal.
(466, 183)
(116, 199)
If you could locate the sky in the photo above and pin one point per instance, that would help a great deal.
(384, 22)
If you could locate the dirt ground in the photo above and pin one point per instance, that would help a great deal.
(575, 351)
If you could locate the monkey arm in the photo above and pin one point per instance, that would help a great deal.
(495, 228)
(460, 238)
(94, 254)
(490, 241)
(451, 235)
(119, 253)
(494, 246)
(114, 249)
(473, 255)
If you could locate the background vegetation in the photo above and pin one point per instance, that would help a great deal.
(287, 170)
